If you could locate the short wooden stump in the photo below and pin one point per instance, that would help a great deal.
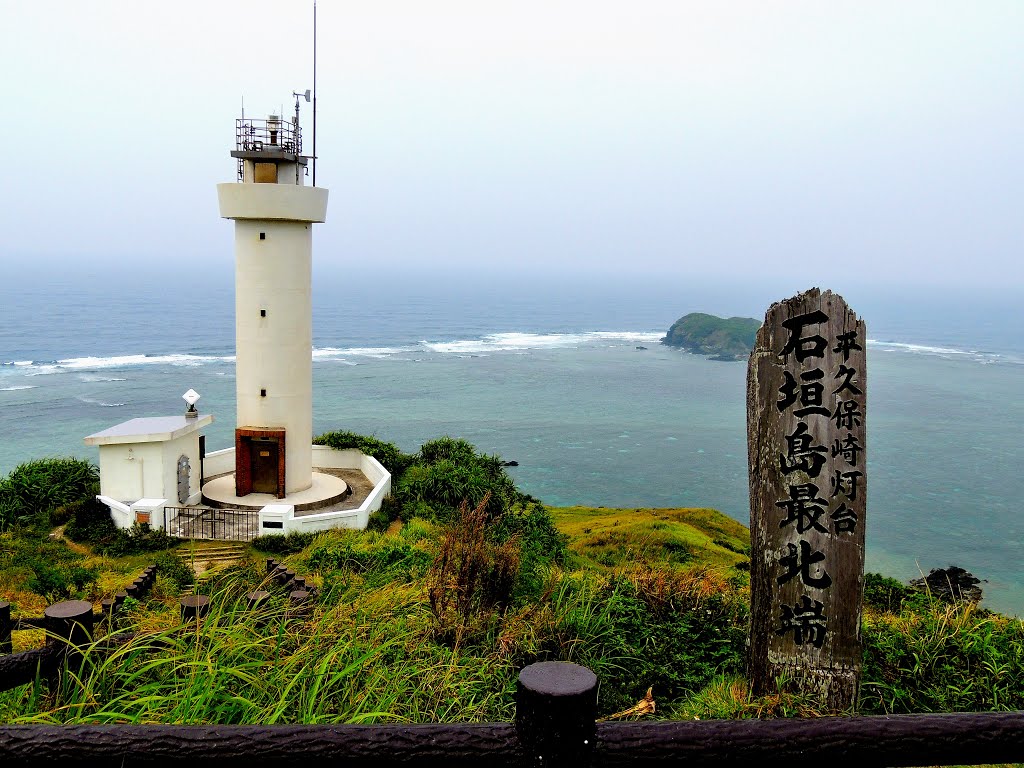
(194, 606)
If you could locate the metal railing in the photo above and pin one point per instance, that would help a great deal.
(211, 523)
(268, 136)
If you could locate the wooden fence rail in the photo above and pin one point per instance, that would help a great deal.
(866, 742)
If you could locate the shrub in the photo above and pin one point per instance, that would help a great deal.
(171, 567)
(61, 581)
(281, 544)
(470, 574)
(140, 538)
(388, 454)
(887, 594)
(942, 658)
(678, 632)
(89, 522)
(40, 486)
(376, 557)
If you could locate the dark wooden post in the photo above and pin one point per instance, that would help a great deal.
(119, 598)
(257, 599)
(556, 709)
(194, 607)
(69, 626)
(806, 403)
(6, 627)
(271, 565)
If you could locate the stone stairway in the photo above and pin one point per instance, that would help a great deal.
(204, 556)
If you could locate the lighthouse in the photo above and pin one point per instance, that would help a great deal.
(155, 470)
(274, 212)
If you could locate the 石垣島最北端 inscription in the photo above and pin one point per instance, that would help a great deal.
(806, 402)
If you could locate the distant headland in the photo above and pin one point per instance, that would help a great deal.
(720, 338)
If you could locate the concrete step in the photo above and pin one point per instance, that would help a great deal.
(212, 553)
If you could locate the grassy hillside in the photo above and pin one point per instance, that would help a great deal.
(431, 617)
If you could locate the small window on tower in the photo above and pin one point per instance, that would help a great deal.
(263, 393)
(263, 235)
(263, 313)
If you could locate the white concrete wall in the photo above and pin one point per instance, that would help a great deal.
(120, 513)
(270, 202)
(325, 521)
(219, 462)
(132, 471)
(274, 352)
(329, 458)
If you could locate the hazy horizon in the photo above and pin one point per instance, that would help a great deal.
(795, 144)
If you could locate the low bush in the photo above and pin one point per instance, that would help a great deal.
(36, 488)
(171, 567)
(376, 557)
(137, 540)
(388, 454)
(679, 631)
(281, 544)
(89, 522)
(48, 567)
(942, 658)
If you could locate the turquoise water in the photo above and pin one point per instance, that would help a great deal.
(548, 373)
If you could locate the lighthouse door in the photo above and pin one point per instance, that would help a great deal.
(264, 466)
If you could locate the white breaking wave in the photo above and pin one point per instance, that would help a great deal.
(92, 401)
(92, 363)
(124, 361)
(918, 348)
(330, 353)
(974, 355)
(15, 389)
(90, 378)
(512, 342)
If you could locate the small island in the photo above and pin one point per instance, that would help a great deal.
(726, 339)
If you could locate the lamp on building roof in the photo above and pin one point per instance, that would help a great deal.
(191, 397)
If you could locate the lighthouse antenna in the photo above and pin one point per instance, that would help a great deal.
(314, 93)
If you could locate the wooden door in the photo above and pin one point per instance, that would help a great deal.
(264, 466)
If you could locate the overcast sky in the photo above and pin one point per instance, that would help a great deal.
(705, 138)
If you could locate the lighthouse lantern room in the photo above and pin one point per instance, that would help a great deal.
(274, 212)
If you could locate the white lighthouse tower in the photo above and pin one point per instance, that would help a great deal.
(274, 212)
(156, 470)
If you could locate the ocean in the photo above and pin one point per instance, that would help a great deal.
(561, 373)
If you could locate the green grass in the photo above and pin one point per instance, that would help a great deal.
(624, 603)
(606, 538)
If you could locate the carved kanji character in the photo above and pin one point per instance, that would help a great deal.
(799, 562)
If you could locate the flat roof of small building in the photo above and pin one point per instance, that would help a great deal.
(150, 429)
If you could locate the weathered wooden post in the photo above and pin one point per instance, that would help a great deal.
(194, 607)
(556, 712)
(69, 626)
(6, 627)
(806, 405)
(257, 599)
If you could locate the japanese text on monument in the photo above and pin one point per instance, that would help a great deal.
(806, 422)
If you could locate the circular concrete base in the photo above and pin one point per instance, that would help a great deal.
(325, 491)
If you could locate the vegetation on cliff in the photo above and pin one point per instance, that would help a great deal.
(721, 338)
(430, 618)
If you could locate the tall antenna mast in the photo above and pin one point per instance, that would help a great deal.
(314, 93)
